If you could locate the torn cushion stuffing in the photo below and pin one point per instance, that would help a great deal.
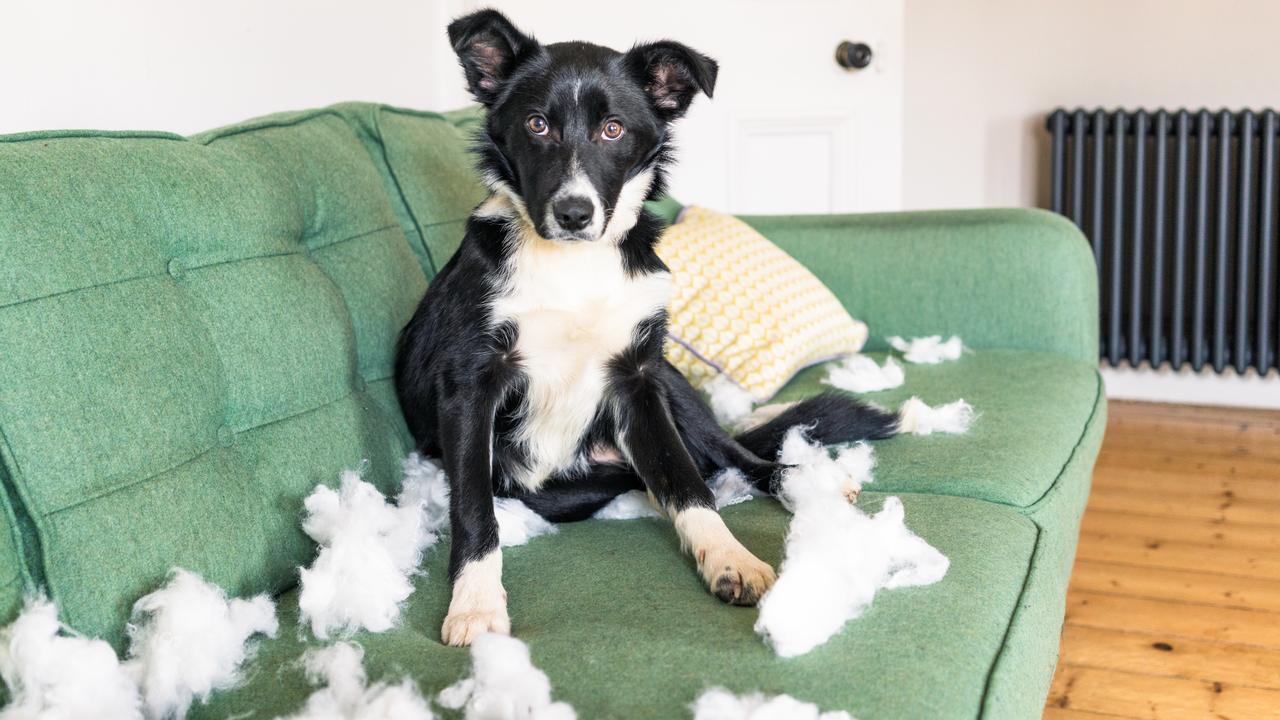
(194, 332)
(604, 600)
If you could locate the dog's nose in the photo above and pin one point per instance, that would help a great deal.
(573, 213)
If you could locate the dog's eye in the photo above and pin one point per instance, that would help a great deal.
(612, 130)
(537, 125)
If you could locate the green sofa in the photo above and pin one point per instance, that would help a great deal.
(194, 332)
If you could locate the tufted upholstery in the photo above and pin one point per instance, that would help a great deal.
(13, 578)
(194, 332)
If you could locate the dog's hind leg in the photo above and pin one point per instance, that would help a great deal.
(829, 418)
(650, 441)
(712, 448)
(568, 499)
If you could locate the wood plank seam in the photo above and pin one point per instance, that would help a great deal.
(1174, 607)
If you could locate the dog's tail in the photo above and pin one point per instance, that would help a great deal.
(829, 418)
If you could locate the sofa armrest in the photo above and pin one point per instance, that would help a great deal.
(997, 278)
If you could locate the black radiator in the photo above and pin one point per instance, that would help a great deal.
(1181, 210)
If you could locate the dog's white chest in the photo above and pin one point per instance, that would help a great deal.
(575, 308)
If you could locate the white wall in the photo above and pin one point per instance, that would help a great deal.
(982, 74)
(190, 66)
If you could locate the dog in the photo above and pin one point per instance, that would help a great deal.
(534, 366)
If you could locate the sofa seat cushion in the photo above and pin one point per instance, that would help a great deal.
(619, 620)
(1033, 408)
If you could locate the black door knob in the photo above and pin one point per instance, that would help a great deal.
(852, 55)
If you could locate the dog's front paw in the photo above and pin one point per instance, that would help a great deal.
(738, 577)
(479, 604)
(462, 627)
(730, 570)
(851, 489)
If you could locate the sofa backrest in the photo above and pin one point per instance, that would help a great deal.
(194, 332)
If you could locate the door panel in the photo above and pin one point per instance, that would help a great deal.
(789, 164)
(788, 130)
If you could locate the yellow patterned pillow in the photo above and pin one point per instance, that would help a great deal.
(744, 307)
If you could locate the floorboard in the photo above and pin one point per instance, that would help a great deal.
(1174, 606)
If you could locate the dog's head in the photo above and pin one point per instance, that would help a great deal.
(576, 133)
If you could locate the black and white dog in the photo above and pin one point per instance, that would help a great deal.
(534, 365)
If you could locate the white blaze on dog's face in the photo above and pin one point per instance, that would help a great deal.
(576, 134)
(574, 211)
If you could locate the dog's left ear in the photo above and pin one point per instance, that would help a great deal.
(489, 48)
(671, 74)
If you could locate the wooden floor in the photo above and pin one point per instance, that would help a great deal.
(1174, 604)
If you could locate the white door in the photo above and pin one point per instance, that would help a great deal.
(789, 130)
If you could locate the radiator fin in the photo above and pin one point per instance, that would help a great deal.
(1180, 209)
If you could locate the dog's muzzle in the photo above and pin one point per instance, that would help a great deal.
(573, 213)
(573, 217)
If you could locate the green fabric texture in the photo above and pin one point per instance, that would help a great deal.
(997, 278)
(617, 617)
(426, 157)
(15, 581)
(1039, 428)
(195, 332)
(1023, 672)
(1001, 280)
(665, 207)
(187, 332)
(1032, 408)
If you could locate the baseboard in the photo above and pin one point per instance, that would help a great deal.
(1186, 387)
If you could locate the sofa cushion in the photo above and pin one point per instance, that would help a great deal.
(427, 157)
(14, 578)
(620, 621)
(999, 277)
(193, 333)
(1033, 408)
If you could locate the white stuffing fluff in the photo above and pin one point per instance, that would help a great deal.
(627, 506)
(187, 640)
(51, 676)
(504, 685)
(426, 483)
(729, 402)
(816, 470)
(517, 524)
(918, 418)
(731, 487)
(720, 704)
(928, 350)
(837, 557)
(346, 696)
(368, 549)
(860, 374)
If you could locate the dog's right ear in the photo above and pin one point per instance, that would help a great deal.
(489, 48)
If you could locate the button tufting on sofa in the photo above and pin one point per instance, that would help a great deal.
(195, 332)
